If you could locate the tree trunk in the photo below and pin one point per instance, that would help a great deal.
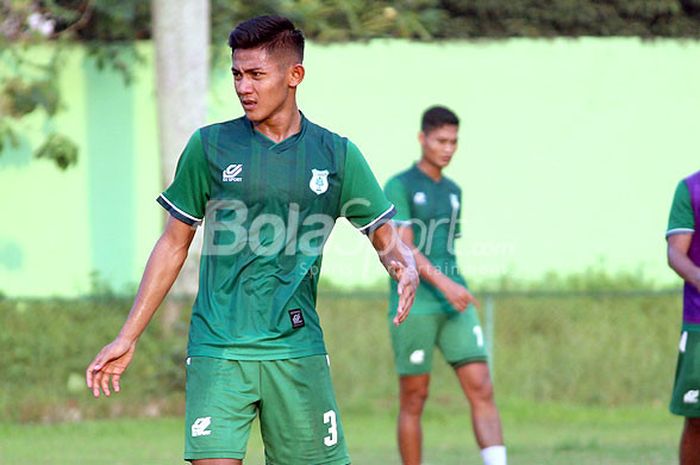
(181, 30)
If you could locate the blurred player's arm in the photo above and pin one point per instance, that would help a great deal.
(679, 261)
(457, 295)
(163, 266)
(399, 263)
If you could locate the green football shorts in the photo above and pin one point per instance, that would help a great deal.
(458, 335)
(299, 418)
(685, 400)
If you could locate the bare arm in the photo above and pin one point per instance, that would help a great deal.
(399, 262)
(457, 295)
(678, 260)
(163, 266)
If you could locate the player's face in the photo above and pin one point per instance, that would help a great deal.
(439, 145)
(264, 82)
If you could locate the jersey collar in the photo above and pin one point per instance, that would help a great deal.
(425, 176)
(283, 145)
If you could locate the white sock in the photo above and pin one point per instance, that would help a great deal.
(494, 455)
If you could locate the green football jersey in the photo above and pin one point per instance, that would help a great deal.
(433, 209)
(267, 210)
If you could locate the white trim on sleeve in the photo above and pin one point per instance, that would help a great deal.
(674, 231)
(379, 218)
(185, 214)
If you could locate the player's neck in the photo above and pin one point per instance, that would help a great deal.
(432, 171)
(281, 125)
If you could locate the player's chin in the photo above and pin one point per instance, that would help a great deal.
(252, 117)
(255, 115)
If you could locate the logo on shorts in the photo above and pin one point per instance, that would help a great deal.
(199, 427)
(232, 172)
(419, 198)
(319, 181)
(297, 318)
(683, 342)
(417, 357)
(691, 397)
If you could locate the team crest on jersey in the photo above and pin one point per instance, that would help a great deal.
(454, 200)
(419, 198)
(319, 181)
(232, 173)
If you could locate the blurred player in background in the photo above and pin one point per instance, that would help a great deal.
(271, 185)
(428, 206)
(684, 257)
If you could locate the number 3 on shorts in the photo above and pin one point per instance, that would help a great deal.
(332, 438)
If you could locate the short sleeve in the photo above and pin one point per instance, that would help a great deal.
(186, 197)
(396, 193)
(362, 200)
(681, 219)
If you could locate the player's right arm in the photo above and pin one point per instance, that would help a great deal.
(457, 295)
(163, 266)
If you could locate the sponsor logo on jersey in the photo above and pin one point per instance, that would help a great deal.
(199, 427)
(417, 357)
(419, 198)
(297, 318)
(691, 397)
(319, 181)
(232, 173)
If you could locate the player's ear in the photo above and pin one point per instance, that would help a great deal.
(295, 75)
(421, 138)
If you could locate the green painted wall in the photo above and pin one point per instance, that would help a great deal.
(569, 154)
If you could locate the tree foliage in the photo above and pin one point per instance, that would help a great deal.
(107, 27)
(346, 20)
(29, 86)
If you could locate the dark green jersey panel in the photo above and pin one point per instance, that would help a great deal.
(433, 210)
(268, 210)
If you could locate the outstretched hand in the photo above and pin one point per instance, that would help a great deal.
(111, 362)
(407, 279)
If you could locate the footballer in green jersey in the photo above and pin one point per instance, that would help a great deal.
(428, 208)
(268, 188)
(683, 254)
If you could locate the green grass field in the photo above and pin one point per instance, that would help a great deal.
(567, 349)
(537, 434)
(568, 377)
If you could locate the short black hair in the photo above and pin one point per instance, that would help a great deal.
(436, 117)
(272, 33)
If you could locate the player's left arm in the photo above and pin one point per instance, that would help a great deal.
(364, 204)
(399, 263)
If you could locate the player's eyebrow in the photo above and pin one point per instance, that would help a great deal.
(257, 69)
